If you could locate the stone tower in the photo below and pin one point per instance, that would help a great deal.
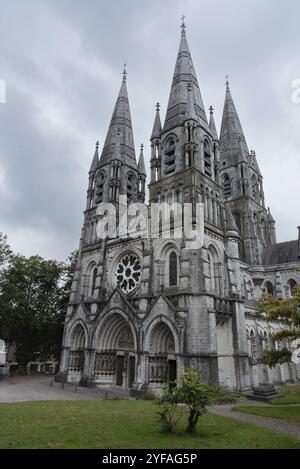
(143, 308)
(243, 187)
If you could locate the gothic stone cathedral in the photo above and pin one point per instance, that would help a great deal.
(142, 310)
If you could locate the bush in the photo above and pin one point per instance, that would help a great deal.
(168, 408)
(149, 396)
(222, 395)
(195, 394)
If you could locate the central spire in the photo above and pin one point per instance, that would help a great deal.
(184, 73)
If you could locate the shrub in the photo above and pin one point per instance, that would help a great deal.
(168, 408)
(222, 395)
(195, 394)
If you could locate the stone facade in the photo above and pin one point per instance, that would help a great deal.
(143, 309)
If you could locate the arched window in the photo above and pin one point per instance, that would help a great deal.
(160, 225)
(170, 165)
(211, 271)
(214, 271)
(292, 284)
(227, 186)
(130, 186)
(94, 278)
(253, 344)
(100, 187)
(263, 230)
(269, 288)
(254, 184)
(173, 269)
(78, 338)
(172, 223)
(207, 159)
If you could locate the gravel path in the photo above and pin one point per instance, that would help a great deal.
(288, 428)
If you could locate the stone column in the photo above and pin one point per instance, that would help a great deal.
(87, 374)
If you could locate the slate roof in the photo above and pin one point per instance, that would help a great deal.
(281, 253)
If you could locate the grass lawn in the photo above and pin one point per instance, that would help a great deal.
(290, 395)
(290, 414)
(121, 424)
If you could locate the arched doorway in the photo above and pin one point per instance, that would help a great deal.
(77, 353)
(115, 353)
(162, 366)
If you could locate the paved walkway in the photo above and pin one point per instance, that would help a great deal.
(288, 428)
(42, 388)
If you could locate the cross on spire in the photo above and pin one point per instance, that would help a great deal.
(124, 71)
(227, 82)
(157, 107)
(211, 109)
(183, 26)
(142, 147)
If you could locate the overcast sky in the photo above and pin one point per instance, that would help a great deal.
(62, 63)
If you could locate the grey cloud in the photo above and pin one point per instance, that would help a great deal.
(62, 61)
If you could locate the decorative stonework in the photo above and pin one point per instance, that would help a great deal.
(128, 272)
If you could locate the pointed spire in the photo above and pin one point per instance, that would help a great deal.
(95, 161)
(184, 72)
(141, 164)
(156, 132)
(120, 129)
(232, 136)
(212, 124)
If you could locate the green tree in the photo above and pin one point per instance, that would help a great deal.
(5, 251)
(195, 394)
(287, 310)
(34, 293)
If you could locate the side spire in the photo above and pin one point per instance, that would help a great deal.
(95, 161)
(141, 163)
(232, 136)
(157, 129)
(212, 124)
(184, 73)
(120, 129)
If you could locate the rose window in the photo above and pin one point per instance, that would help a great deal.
(128, 272)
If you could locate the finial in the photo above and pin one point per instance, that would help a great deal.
(182, 25)
(211, 109)
(142, 147)
(124, 71)
(227, 82)
(97, 145)
(157, 107)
